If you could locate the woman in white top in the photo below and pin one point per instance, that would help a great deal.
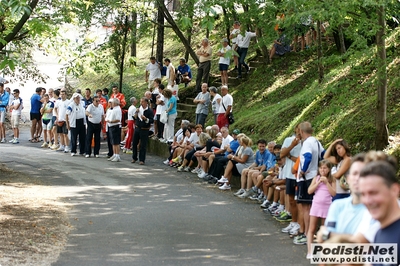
(215, 103)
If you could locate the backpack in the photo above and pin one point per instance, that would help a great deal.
(178, 77)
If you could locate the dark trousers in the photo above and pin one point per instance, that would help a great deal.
(80, 130)
(160, 127)
(203, 72)
(242, 55)
(201, 119)
(141, 135)
(93, 129)
(217, 166)
(109, 145)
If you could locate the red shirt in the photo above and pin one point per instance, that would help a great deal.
(121, 99)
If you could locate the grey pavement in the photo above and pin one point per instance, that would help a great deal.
(128, 214)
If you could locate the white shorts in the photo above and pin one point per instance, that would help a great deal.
(2, 116)
(47, 126)
(15, 120)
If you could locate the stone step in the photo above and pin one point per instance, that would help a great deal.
(255, 64)
(186, 106)
(183, 113)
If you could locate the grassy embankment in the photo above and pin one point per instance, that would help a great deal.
(276, 97)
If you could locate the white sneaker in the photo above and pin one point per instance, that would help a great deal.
(62, 148)
(11, 141)
(239, 192)
(202, 174)
(87, 156)
(73, 154)
(96, 156)
(265, 204)
(3, 140)
(223, 180)
(166, 162)
(196, 170)
(295, 229)
(288, 228)
(66, 150)
(225, 187)
(111, 158)
(116, 159)
(45, 145)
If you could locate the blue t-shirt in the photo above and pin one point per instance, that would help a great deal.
(389, 235)
(36, 104)
(233, 145)
(4, 99)
(184, 69)
(344, 217)
(173, 101)
(261, 157)
(270, 160)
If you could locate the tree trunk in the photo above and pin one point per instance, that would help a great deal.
(178, 32)
(382, 133)
(160, 34)
(319, 53)
(190, 11)
(134, 36)
(19, 25)
(341, 40)
(124, 41)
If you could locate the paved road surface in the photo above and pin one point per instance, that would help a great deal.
(127, 214)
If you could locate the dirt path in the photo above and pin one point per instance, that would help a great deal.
(33, 222)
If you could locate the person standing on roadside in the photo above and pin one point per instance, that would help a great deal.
(113, 120)
(203, 72)
(225, 108)
(16, 108)
(95, 115)
(36, 104)
(76, 122)
(4, 98)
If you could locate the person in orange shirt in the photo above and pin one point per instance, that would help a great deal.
(103, 101)
(120, 96)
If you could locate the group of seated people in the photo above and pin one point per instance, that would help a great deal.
(298, 182)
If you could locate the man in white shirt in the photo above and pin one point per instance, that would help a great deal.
(61, 110)
(243, 46)
(170, 72)
(76, 123)
(160, 101)
(152, 72)
(95, 115)
(225, 108)
(16, 107)
(113, 119)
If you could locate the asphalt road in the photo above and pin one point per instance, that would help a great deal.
(127, 214)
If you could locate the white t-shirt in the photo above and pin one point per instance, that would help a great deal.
(227, 100)
(244, 41)
(15, 102)
(112, 115)
(226, 141)
(194, 138)
(224, 59)
(62, 108)
(131, 112)
(96, 112)
(287, 168)
(53, 100)
(235, 31)
(160, 108)
(214, 104)
(154, 71)
(310, 146)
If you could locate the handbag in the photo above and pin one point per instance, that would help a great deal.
(343, 183)
(231, 118)
(164, 117)
(60, 123)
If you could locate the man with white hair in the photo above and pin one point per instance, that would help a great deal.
(76, 123)
(203, 72)
(113, 119)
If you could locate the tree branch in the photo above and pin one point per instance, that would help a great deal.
(19, 25)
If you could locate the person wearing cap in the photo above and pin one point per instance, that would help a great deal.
(76, 122)
(152, 72)
(225, 107)
(35, 116)
(16, 108)
(184, 70)
(215, 103)
(234, 33)
(224, 61)
(203, 72)
(243, 42)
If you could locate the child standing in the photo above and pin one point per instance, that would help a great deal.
(323, 187)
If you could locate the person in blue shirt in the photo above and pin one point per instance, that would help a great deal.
(36, 117)
(4, 98)
(185, 71)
